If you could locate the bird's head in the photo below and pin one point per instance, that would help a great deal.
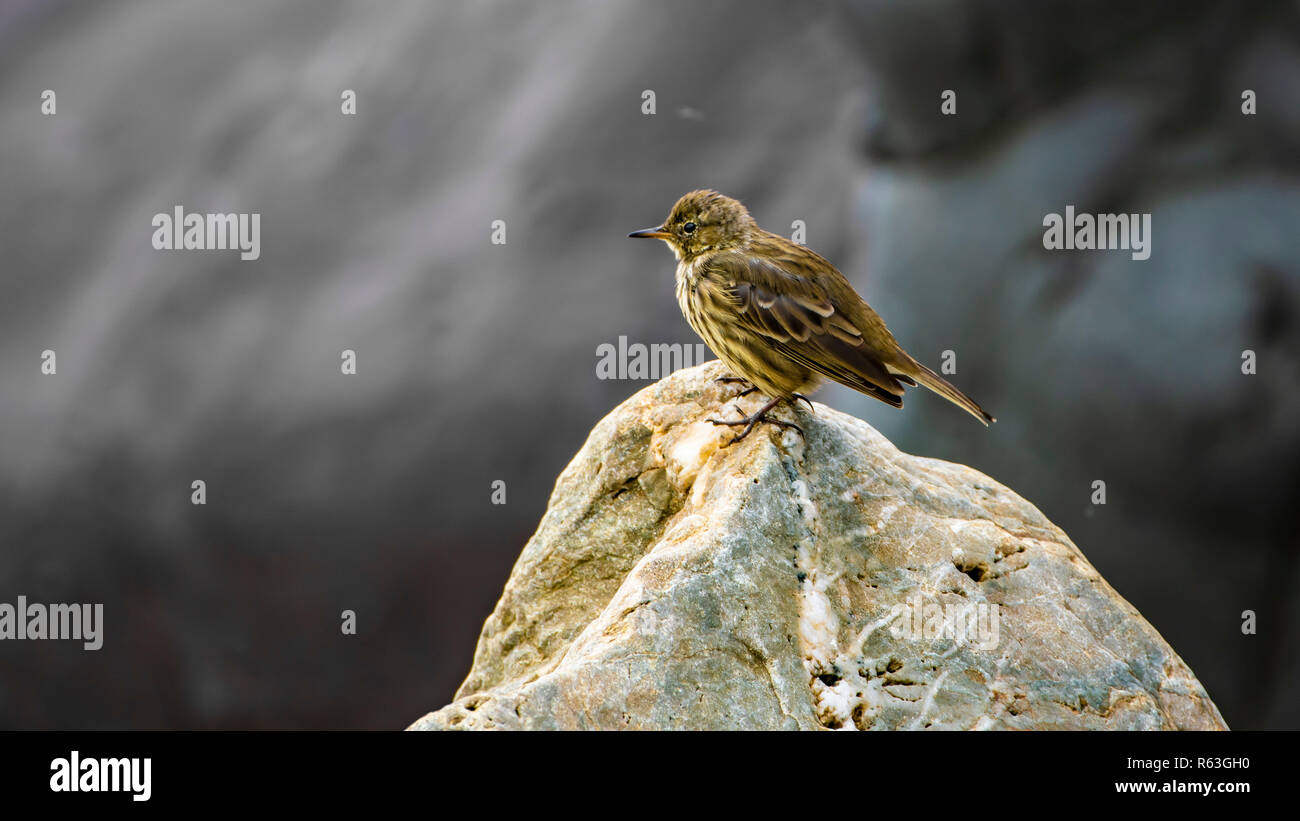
(703, 221)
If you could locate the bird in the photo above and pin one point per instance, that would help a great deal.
(781, 317)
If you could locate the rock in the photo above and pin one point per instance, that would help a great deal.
(779, 583)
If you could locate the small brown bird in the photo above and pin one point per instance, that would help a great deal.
(781, 317)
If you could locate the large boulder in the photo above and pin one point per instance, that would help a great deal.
(787, 582)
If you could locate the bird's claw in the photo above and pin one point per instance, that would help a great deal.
(730, 380)
(750, 421)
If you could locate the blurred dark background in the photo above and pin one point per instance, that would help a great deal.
(476, 362)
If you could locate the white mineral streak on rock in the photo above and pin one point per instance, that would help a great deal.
(690, 451)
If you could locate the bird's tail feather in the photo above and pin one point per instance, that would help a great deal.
(944, 388)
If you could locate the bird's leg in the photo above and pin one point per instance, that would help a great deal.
(754, 418)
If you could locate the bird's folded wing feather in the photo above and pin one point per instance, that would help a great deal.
(775, 297)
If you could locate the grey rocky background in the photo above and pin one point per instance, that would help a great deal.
(477, 362)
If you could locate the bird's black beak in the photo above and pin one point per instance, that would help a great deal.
(651, 233)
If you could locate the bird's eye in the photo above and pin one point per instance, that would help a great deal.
(688, 228)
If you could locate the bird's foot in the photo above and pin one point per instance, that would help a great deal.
(761, 415)
(805, 399)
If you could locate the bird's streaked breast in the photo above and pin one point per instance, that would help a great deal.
(711, 311)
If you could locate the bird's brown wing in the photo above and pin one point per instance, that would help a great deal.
(776, 296)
